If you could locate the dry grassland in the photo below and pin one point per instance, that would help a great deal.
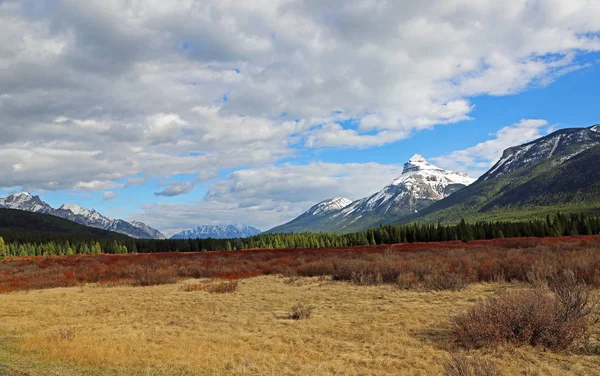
(353, 330)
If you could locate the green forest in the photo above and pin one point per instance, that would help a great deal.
(34, 243)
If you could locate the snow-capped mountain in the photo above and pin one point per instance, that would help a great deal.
(420, 185)
(26, 202)
(565, 142)
(555, 173)
(222, 231)
(330, 205)
(73, 212)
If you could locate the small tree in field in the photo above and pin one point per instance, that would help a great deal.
(3, 249)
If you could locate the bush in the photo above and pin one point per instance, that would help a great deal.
(555, 318)
(444, 280)
(460, 365)
(366, 272)
(300, 311)
(149, 276)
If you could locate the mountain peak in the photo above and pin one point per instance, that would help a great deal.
(329, 205)
(417, 163)
(417, 158)
(77, 209)
(22, 194)
(595, 128)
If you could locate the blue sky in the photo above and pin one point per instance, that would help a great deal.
(184, 114)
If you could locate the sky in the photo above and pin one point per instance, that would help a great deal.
(186, 112)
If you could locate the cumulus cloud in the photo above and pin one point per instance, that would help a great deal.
(108, 195)
(101, 91)
(479, 158)
(175, 188)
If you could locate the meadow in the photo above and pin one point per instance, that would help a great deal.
(377, 310)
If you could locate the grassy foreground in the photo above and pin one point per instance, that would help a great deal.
(354, 330)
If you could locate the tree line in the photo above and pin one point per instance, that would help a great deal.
(31, 244)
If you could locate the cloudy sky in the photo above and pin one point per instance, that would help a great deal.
(180, 113)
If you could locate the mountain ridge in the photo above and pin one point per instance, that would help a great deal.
(552, 173)
(220, 231)
(25, 201)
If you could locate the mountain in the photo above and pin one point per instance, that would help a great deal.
(558, 172)
(223, 231)
(27, 202)
(22, 225)
(420, 185)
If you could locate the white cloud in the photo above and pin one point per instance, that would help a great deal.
(108, 195)
(479, 158)
(106, 91)
(96, 185)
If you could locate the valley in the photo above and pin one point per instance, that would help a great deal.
(385, 320)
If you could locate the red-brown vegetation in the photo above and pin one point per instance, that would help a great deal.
(447, 265)
(556, 315)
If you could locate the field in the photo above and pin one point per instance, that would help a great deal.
(376, 310)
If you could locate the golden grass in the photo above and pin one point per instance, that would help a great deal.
(353, 330)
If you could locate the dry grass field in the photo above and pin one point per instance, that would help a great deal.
(172, 330)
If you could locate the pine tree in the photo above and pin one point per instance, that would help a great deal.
(3, 249)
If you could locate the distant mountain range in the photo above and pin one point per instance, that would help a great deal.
(87, 217)
(558, 172)
(222, 231)
(420, 185)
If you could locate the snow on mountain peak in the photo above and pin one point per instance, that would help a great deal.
(22, 195)
(595, 128)
(77, 210)
(417, 163)
(417, 158)
(329, 205)
(24, 201)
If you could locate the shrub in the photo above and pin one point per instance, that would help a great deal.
(407, 281)
(536, 317)
(149, 276)
(366, 272)
(444, 280)
(316, 268)
(460, 365)
(300, 311)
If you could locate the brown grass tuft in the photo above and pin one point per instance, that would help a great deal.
(460, 365)
(300, 311)
(224, 287)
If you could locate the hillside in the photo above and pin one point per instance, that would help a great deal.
(554, 173)
(18, 225)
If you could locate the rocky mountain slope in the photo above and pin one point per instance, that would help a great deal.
(222, 231)
(88, 217)
(420, 185)
(558, 172)
(18, 225)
